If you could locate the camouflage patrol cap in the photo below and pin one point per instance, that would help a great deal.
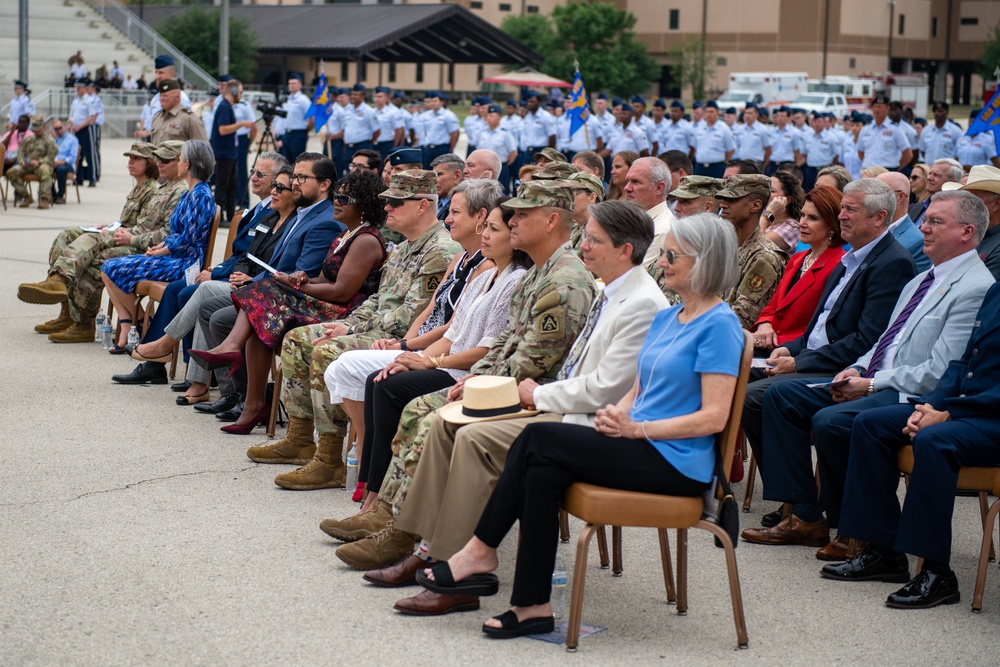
(741, 185)
(692, 187)
(554, 171)
(38, 120)
(588, 181)
(168, 84)
(141, 149)
(551, 154)
(168, 150)
(536, 194)
(411, 184)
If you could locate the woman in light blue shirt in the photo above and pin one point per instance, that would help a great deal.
(659, 438)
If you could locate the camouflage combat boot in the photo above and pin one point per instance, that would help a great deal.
(297, 447)
(60, 323)
(381, 549)
(26, 201)
(359, 526)
(325, 471)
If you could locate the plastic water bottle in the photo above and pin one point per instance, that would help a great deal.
(558, 598)
(352, 469)
(133, 336)
(99, 326)
(107, 335)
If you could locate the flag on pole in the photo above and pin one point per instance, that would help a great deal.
(577, 102)
(322, 101)
(989, 117)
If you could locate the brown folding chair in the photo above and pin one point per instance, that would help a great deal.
(272, 422)
(986, 551)
(598, 506)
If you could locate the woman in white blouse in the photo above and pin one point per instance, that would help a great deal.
(385, 381)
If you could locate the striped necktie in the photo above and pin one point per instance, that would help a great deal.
(575, 352)
(897, 326)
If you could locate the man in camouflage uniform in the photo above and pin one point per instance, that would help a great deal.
(76, 256)
(742, 198)
(409, 279)
(173, 122)
(35, 155)
(547, 311)
(587, 189)
(693, 195)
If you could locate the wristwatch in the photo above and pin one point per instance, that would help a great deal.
(769, 216)
(871, 387)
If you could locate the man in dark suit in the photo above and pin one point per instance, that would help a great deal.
(984, 182)
(853, 311)
(954, 425)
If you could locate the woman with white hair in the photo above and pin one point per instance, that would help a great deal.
(659, 438)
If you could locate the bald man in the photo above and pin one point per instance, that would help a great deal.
(903, 229)
(482, 163)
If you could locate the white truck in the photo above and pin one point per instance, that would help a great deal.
(771, 89)
(834, 103)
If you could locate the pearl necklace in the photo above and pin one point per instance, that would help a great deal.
(809, 261)
(344, 238)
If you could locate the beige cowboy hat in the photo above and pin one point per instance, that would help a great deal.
(983, 177)
(486, 398)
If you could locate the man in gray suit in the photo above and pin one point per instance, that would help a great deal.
(928, 328)
(460, 464)
(903, 229)
(984, 182)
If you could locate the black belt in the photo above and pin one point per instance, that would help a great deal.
(291, 131)
(433, 145)
(710, 164)
(534, 149)
(356, 143)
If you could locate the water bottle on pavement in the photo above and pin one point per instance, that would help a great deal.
(558, 598)
(107, 335)
(133, 336)
(352, 469)
(99, 326)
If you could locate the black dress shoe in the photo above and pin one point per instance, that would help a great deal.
(147, 373)
(227, 402)
(232, 414)
(181, 386)
(869, 565)
(926, 590)
(772, 519)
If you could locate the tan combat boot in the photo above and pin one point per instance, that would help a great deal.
(325, 471)
(297, 447)
(49, 292)
(360, 525)
(27, 200)
(60, 323)
(382, 549)
(80, 332)
(44, 203)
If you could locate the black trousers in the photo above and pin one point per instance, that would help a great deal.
(543, 462)
(383, 412)
(225, 186)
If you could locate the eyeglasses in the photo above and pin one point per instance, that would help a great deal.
(162, 161)
(57, 128)
(358, 165)
(671, 256)
(301, 178)
(341, 199)
(258, 173)
(279, 188)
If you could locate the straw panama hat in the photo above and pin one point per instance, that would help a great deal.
(983, 177)
(486, 398)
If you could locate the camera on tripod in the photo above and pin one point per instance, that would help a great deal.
(271, 109)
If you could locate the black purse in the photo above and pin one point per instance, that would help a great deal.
(728, 512)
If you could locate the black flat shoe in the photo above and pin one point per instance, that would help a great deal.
(227, 402)
(480, 585)
(510, 627)
(147, 373)
(192, 400)
(926, 590)
(181, 387)
(869, 565)
(232, 414)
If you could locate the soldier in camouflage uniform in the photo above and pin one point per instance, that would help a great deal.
(694, 194)
(742, 198)
(547, 311)
(410, 277)
(35, 155)
(587, 189)
(75, 257)
(555, 171)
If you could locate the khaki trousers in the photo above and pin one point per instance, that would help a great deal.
(459, 467)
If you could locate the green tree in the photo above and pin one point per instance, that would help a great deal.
(598, 35)
(991, 55)
(195, 33)
(691, 65)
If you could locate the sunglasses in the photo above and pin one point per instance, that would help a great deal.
(394, 202)
(671, 256)
(159, 159)
(258, 173)
(279, 188)
(341, 199)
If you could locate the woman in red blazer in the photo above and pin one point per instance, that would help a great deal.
(801, 286)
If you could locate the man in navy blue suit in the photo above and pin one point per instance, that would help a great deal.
(954, 425)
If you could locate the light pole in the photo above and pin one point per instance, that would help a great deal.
(892, 20)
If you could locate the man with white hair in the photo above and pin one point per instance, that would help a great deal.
(984, 182)
(482, 163)
(646, 184)
(903, 229)
(945, 170)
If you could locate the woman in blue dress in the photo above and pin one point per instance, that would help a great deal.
(659, 438)
(189, 227)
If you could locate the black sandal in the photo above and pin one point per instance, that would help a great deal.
(444, 584)
(510, 627)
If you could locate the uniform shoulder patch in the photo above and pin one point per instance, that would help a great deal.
(755, 282)
(432, 282)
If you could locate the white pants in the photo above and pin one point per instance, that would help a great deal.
(345, 377)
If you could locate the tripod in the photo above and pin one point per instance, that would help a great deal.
(266, 141)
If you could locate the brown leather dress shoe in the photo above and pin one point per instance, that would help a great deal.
(426, 603)
(403, 573)
(839, 549)
(791, 531)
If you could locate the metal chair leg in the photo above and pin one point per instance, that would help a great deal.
(984, 505)
(668, 570)
(272, 421)
(984, 552)
(579, 579)
(563, 526)
(602, 548)
(616, 551)
(682, 571)
(742, 639)
(751, 480)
